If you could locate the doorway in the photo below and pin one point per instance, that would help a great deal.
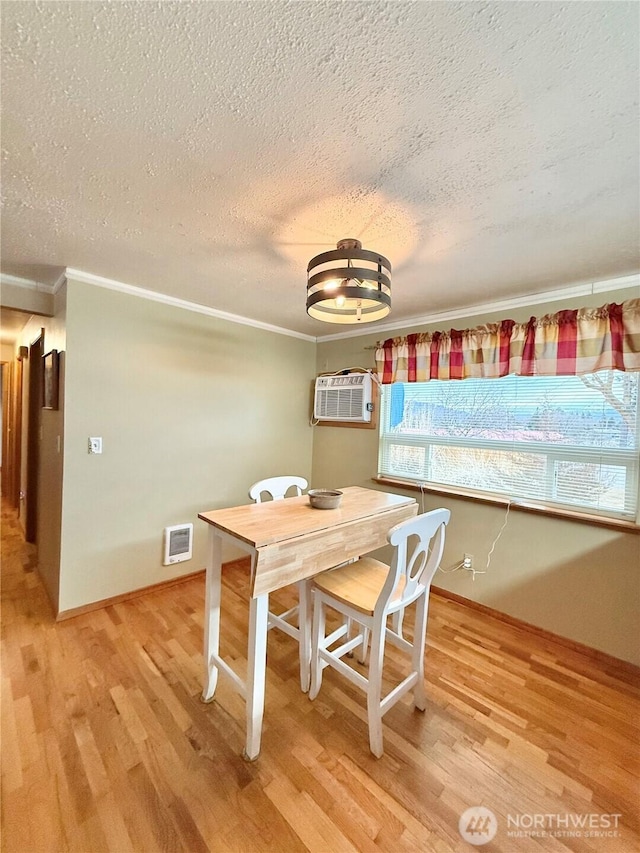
(11, 431)
(36, 351)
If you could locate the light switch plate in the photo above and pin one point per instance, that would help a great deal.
(95, 445)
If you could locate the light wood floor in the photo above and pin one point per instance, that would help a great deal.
(107, 747)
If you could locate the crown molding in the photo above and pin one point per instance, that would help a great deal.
(558, 294)
(132, 290)
(587, 289)
(617, 283)
(27, 284)
(62, 279)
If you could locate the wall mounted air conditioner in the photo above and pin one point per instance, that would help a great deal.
(347, 397)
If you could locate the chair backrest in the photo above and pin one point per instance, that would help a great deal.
(277, 487)
(418, 545)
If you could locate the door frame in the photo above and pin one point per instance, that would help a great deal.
(34, 420)
(12, 430)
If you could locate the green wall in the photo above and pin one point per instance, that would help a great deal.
(191, 409)
(572, 578)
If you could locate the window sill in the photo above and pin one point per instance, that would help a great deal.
(536, 509)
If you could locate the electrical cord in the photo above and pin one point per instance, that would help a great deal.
(344, 370)
(504, 524)
(460, 565)
(452, 569)
(493, 545)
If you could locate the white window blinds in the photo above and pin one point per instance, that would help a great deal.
(568, 441)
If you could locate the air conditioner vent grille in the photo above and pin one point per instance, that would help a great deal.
(343, 398)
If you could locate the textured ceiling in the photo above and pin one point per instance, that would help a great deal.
(207, 150)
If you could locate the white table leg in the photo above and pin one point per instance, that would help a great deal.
(212, 614)
(256, 673)
(304, 638)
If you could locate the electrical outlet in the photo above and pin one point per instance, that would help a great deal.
(467, 562)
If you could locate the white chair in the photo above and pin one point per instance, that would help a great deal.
(367, 592)
(277, 488)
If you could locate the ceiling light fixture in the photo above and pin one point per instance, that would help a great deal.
(339, 292)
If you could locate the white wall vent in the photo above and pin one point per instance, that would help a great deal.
(178, 543)
(347, 397)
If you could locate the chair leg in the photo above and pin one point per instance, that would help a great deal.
(304, 633)
(362, 654)
(374, 691)
(417, 656)
(349, 633)
(317, 642)
(396, 622)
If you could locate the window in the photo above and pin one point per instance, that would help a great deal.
(567, 441)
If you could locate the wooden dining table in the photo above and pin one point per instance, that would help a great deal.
(288, 541)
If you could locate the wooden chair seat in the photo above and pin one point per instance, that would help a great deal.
(359, 584)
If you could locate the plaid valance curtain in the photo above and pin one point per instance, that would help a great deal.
(569, 343)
